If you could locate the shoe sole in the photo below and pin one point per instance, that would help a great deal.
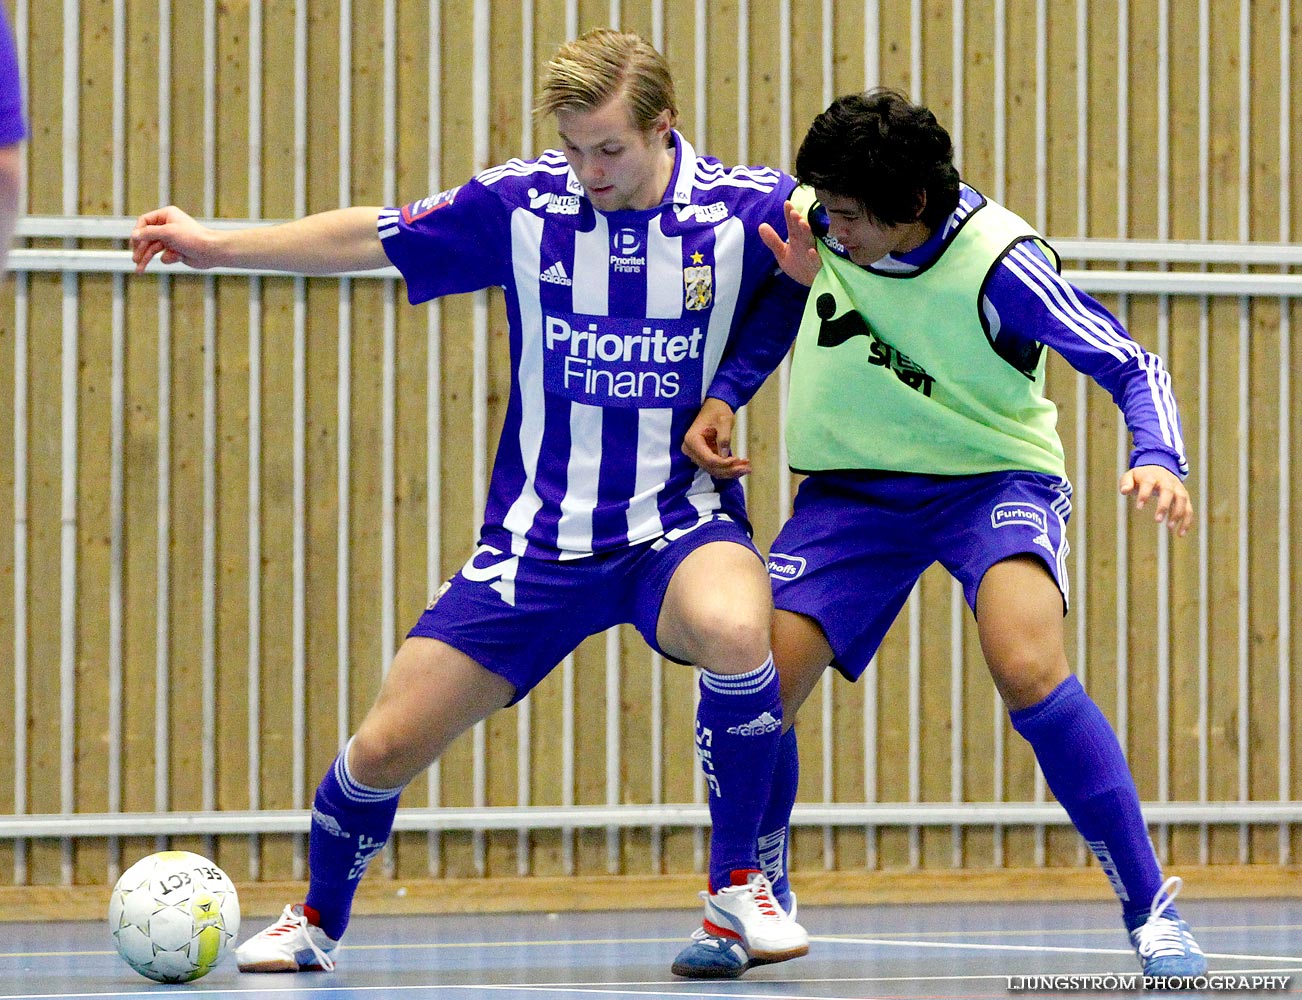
(770, 957)
(278, 965)
(271, 965)
(697, 972)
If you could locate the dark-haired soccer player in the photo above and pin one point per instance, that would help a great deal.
(917, 408)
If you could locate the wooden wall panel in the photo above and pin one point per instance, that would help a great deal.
(9, 549)
(1135, 624)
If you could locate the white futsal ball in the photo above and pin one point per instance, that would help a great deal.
(173, 915)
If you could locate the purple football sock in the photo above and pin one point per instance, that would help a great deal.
(776, 821)
(350, 825)
(738, 725)
(1085, 769)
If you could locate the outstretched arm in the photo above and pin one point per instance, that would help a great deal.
(345, 239)
(1035, 305)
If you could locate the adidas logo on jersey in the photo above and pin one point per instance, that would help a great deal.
(556, 275)
(756, 727)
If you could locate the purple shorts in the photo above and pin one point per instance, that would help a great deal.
(856, 544)
(520, 616)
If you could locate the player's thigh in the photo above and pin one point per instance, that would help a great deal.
(430, 696)
(517, 616)
(702, 597)
(716, 610)
(1002, 515)
(1005, 540)
(841, 569)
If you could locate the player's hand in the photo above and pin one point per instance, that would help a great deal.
(1169, 496)
(175, 236)
(797, 255)
(709, 441)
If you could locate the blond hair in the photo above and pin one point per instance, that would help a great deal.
(601, 64)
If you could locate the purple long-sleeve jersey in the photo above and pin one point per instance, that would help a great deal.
(1026, 303)
(621, 324)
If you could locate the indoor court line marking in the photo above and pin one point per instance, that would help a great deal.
(884, 938)
(1064, 931)
(647, 988)
(895, 942)
(615, 989)
(408, 946)
(974, 946)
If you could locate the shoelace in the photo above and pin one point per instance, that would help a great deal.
(1161, 935)
(758, 890)
(293, 920)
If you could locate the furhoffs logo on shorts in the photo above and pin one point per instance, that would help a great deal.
(1004, 515)
(784, 567)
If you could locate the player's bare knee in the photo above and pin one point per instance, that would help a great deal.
(729, 643)
(380, 759)
(1027, 676)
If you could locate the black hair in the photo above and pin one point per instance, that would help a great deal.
(885, 152)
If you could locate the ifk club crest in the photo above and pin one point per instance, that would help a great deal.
(698, 281)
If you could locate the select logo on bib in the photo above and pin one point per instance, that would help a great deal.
(1026, 514)
(783, 567)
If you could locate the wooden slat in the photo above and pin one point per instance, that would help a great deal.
(1183, 362)
(44, 411)
(95, 297)
(1264, 207)
(763, 145)
(459, 520)
(506, 88)
(934, 765)
(590, 749)
(8, 563)
(410, 854)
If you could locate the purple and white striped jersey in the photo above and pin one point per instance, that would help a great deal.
(621, 324)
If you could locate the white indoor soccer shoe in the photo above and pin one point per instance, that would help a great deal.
(291, 944)
(748, 910)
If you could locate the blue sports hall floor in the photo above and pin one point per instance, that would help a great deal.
(928, 950)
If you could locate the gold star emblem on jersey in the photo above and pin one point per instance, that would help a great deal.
(699, 284)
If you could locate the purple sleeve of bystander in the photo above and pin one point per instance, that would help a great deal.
(13, 127)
